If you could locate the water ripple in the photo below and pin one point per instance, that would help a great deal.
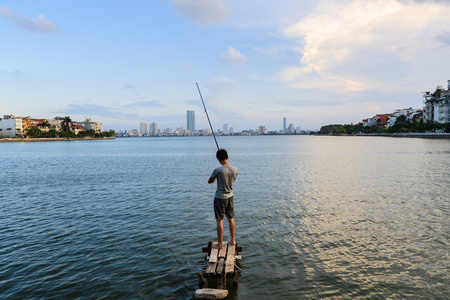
(318, 217)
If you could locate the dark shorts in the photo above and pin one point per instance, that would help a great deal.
(222, 207)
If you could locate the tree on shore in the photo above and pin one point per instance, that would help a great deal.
(402, 125)
(34, 132)
(66, 124)
(45, 124)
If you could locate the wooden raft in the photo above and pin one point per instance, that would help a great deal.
(220, 265)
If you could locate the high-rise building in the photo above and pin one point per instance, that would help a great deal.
(284, 124)
(262, 129)
(190, 117)
(437, 105)
(153, 128)
(291, 128)
(225, 128)
(144, 128)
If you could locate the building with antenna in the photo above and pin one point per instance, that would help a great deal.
(89, 125)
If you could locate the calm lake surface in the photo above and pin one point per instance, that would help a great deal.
(317, 217)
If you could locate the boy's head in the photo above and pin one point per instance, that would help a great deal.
(222, 154)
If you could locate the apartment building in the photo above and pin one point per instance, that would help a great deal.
(437, 105)
(11, 126)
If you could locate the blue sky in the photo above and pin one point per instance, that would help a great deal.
(256, 61)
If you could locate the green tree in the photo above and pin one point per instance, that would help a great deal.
(382, 130)
(108, 133)
(45, 124)
(52, 133)
(66, 124)
(34, 132)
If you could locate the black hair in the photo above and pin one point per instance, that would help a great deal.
(222, 154)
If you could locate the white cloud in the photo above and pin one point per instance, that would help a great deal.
(41, 24)
(217, 101)
(232, 55)
(358, 45)
(203, 12)
(220, 87)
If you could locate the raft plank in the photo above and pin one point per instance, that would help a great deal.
(223, 251)
(229, 267)
(213, 255)
(220, 265)
(211, 268)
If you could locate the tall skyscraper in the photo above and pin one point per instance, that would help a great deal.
(144, 128)
(190, 116)
(153, 128)
(284, 124)
(225, 128)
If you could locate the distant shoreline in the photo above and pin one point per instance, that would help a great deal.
(395, 135)
(26, 140)
(412, 135)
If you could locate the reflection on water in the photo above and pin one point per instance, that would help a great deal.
(358, 217)
(318, 217)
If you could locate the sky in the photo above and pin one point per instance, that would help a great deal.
(313, 62)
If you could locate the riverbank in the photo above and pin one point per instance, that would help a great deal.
(25, 140)
(396, 135)
(410, 135)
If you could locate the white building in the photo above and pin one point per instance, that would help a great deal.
(10, 126)
(437, 105)
(56, 123)
(225, 129)
(144, 128)
(409, 113)
(153, 128)
(291, 128)
(262, 129)
(89, 125)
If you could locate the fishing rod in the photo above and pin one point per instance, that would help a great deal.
(207, 116)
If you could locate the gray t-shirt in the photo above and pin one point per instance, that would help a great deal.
(226, 176)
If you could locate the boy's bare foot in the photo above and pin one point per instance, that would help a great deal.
(217, 246)
(232, 242)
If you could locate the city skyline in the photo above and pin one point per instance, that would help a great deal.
(313, 62)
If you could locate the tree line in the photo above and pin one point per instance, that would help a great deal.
(66, 132)
(35, 132)
(402, 125)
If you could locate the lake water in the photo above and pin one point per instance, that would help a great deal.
(317, 217)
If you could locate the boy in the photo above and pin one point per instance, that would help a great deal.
(223, 199)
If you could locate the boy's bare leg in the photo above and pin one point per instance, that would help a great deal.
(219, 234)
(232, 231)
